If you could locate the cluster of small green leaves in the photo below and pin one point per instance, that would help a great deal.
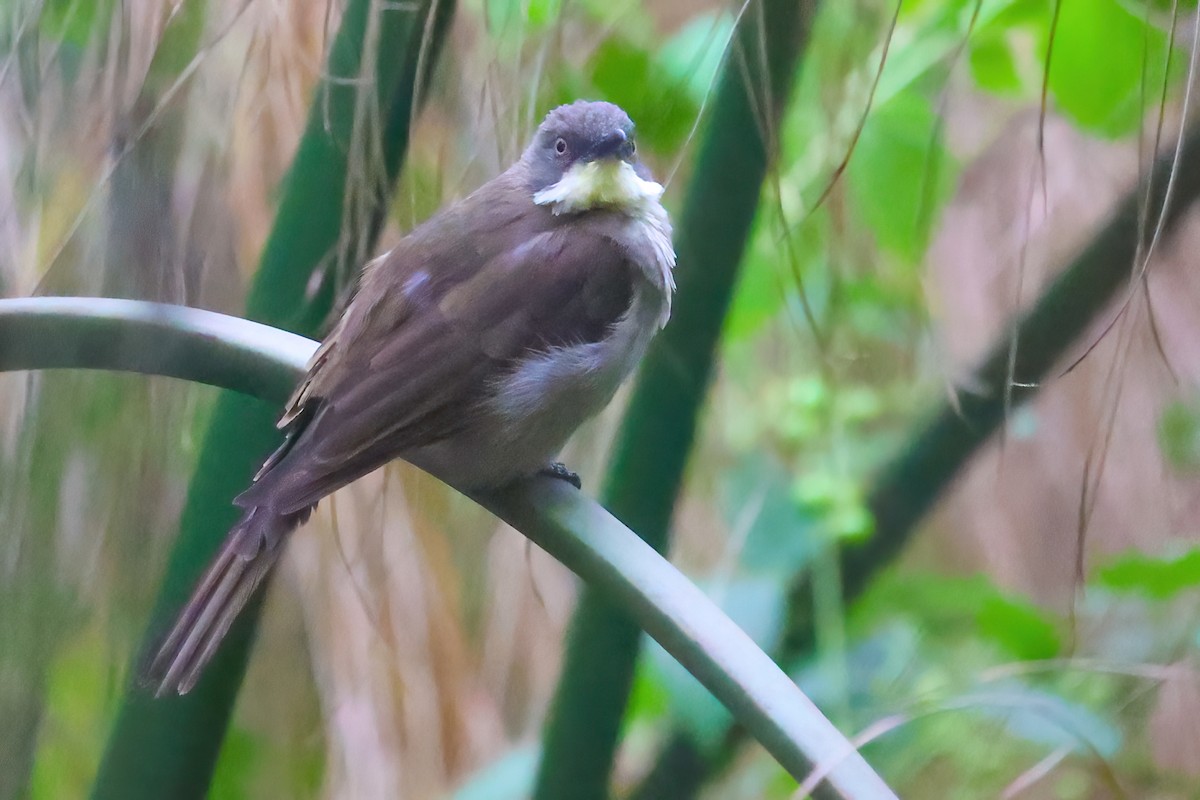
(833, 272)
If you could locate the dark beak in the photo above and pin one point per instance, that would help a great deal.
(615, 145)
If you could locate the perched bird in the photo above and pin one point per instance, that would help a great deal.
(473, 349)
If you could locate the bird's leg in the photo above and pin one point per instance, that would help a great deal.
(559, 470)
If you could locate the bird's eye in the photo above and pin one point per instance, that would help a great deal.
(632, 147)
(560, 146)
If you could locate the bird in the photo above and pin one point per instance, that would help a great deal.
(472, 349)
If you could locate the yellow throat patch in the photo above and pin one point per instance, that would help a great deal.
(607, 183)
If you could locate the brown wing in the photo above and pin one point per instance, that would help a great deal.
(432, 326)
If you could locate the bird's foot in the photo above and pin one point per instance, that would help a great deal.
(559, 470)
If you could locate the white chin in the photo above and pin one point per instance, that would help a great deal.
(599, 184)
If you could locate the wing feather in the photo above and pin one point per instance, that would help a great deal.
(404, 371)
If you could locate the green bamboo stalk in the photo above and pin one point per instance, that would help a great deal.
(908, 487)
(238, 354)
(169, 748)
(647, 466)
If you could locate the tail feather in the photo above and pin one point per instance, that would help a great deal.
(250, 550)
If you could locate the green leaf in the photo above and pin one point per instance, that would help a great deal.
(929, 43)
(627, 74)
(972, 606)
(77, 714)
(179, 43)
(1156, 578)
(648, 699)
(900, 175)
(1019, 627)
(542, 13)
(993, 66)
(240, 751)
(1096, 65)
(74, 22)
(942, 602)
(760, 294)
(768, 282)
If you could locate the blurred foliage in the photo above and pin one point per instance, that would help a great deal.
(1179, 436)
(1154, 578)
(650, 450)
(964, 685)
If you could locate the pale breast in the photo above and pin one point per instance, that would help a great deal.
(538, 405)
(557, 390)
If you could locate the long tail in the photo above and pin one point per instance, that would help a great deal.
(247, 555)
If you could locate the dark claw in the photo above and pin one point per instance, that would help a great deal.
(559, 470)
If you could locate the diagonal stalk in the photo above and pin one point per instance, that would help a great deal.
(651, 452)
(331, 209)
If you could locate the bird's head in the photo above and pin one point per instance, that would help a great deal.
(584, 157)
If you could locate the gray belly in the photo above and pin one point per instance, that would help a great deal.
(536, 409)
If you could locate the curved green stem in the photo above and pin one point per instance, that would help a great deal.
(651, 451)
(247, 357)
